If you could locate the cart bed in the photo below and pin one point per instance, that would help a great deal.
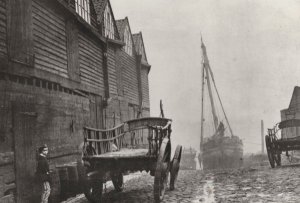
(124, 152)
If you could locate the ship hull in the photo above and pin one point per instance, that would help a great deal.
(222, 153)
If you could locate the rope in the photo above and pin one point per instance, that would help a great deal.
(220, 101)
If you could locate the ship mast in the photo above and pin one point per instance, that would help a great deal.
(216, 121)
(205, 66)
(202, 113)
(208, 71)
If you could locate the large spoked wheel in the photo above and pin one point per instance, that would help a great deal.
(162, 170)
(175, 166)
(270, 151)
(118, 182)
(93, 190)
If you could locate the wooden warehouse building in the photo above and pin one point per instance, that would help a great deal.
(64, 64)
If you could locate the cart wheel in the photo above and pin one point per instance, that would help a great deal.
(175, 166)
(162, 170)
(88, 150)
(117, 180)
(276, 152)
(269, 147)
(93, 190)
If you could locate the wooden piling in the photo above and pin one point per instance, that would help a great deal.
(64, 182)
(55, 186)
(73, 179)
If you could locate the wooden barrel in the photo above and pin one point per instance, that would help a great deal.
(55, 186)
(73, 179)
(64, 182)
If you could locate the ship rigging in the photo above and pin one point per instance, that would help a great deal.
(218, 146)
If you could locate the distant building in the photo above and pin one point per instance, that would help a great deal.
(64, 64)
(188, 159)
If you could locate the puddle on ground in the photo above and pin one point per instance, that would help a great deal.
(208, 191)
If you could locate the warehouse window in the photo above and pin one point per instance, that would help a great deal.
(128, 42)
(108, 24)
(83, 9)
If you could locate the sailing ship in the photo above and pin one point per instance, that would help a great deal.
(219, 147)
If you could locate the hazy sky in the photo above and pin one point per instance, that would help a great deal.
(253, 47)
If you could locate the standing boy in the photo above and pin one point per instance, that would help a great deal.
(43, 173)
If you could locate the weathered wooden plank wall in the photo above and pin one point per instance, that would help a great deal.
(24, 117)
(58, 52)
(19, 32)
(90, 62)
(129, 77)
(60, 116)
(146, 112)
(72, 49)
(96, 112)
(3, 34)
(132, 112)
(139, 79)
(112, 75)
(123, 106)
(112, 114)
(5, 122)
(49, 39)
(145, 87)
(119, 78)
(7, 175)
(55, 117)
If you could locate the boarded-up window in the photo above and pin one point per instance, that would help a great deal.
(90, 62)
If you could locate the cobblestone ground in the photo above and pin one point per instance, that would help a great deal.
(280, 185)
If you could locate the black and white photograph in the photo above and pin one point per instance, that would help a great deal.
(149, 101)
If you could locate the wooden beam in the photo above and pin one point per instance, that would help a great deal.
(105, 70)
(18, 69)
(139, 78)
(72, 50)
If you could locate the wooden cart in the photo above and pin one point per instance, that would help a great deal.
(136, 145)
(276, 145)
